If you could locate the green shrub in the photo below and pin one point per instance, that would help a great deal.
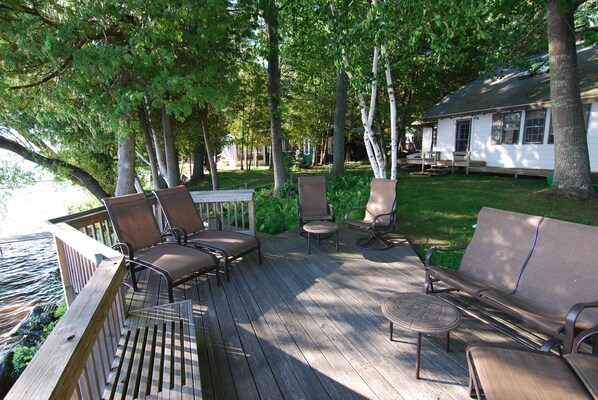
(21, 358)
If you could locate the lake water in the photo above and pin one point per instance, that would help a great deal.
(28, 266)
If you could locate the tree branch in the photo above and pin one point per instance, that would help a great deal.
(75, 174)
(49, 77)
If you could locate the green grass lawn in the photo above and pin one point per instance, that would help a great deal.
(432, 211)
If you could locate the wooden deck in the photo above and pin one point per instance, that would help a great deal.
(302, 326)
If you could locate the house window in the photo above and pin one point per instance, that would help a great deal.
(534, 126)
(586, 114)
(505, 127)
(434, 136)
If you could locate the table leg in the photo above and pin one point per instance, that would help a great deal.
(308, 242)
(448, 341)
(391, 331)
(417, 354)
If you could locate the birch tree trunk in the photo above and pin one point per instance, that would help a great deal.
(125, 178)
(172, 165)
(572, 164)
(393, 117)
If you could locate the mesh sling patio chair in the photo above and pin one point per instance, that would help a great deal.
(380, 215)
(312, 204)
(182, 216)
(140, 240)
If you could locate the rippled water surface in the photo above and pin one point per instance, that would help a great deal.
(29, 276)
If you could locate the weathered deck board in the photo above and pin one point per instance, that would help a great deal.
(310, 326)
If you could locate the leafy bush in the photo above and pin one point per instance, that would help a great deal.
(21, 358)
(24, 354)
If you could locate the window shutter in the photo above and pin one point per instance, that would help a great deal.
(496, 134)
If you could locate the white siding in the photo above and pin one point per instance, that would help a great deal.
(426, 138)
(533, 156)
(593, 137)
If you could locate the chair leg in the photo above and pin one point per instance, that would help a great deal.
(226, 269)
(133, 279)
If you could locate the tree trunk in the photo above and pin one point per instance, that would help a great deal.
(125, 178)
(172, 164)
(149, 147)
(198, 160)
(340, 115)
(271, 19)
(393, 118)
(76, 174)
(572, 163)
(203, 117)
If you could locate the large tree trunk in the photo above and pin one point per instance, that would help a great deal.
(340, 115)
(203, 117)
(76, 174)
(271, 19)
(125, 177)
(572, 163)
(149, 147)
(172, 163)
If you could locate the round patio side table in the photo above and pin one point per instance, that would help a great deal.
(421, 313)
(320, 228)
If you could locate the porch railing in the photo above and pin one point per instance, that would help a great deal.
(75, 360)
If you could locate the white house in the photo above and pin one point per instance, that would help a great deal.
(506, 122)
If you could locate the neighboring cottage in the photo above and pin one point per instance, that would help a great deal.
(505, 122)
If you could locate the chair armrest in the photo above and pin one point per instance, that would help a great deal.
(377, 217)
(433, 250)
(217, 219)
(179, 234)
(583, 336)
(347, 218)
(124, 248)
(570, 322)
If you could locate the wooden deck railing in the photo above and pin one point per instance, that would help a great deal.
(74, 361)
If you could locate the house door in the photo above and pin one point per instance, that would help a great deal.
(462, 135)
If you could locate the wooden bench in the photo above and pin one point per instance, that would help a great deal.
(98, 350)
(540, 270)
(460, 159)
(157, 355)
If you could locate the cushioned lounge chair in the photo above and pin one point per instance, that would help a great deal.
(182, 216)
(380, 215)
(140, 240)
(501, 372)
(312, 204)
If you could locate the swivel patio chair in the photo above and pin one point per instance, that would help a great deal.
(380, 215)
(140, 240)
(188, 226)
(312, 204)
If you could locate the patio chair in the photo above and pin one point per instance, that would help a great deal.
(312, 204)
(506, 372)
(380, 215)
(182, 217)
(140, 240)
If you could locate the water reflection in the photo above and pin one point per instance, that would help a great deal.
(29, 275)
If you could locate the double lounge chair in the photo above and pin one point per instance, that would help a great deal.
(140, 240)
(188, 227)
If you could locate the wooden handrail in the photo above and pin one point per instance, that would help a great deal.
(71, 363)
(56, 368)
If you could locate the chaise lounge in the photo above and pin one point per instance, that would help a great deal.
(187, 225)
(140, 240)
